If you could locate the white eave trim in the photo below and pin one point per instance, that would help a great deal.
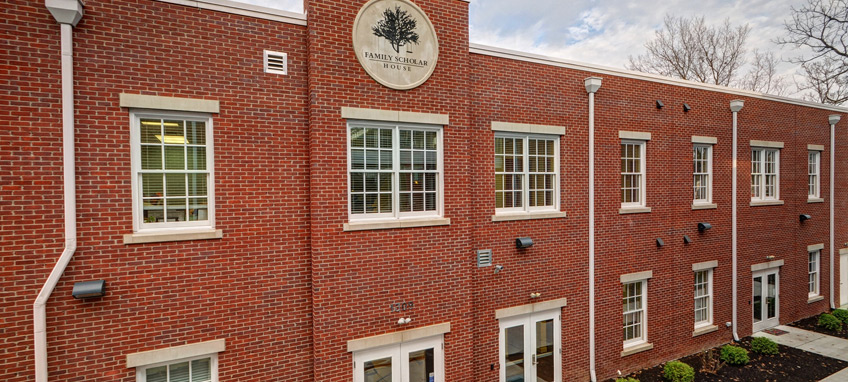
(397, 337)
(244, 10)
(139, 101)
(174, 353)
(527, 128)
(599, 69)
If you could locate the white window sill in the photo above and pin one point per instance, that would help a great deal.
(813, 299)
(528, 216)
(759, 203)
(704, 206)
(633, 210)
(365, 226)
(815, 200)
(172, 235)
(704, 330)
(638, 348)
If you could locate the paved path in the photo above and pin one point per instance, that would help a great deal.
(815, 343)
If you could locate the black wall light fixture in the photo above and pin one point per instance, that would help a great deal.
(660, 242)
(803, 217)
(523, 242)
(686, 107)
(704, 226)
(659, 104)
(89, 289)
(686, 239)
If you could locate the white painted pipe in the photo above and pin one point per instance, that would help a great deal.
(592, 85)
(833, 119)
(40, 305)
(735, 106)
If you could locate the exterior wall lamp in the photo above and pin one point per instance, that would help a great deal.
(803, 217)
(704, 226)
(89, 289)
(523, 242)
(660, 104)
(686, 107)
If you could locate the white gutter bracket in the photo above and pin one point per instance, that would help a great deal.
(832, 119)
(735, 106)
(67, 13)
(592, 85)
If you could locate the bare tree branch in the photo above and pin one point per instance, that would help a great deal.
(763, 75)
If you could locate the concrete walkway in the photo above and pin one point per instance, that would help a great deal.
(813, 342)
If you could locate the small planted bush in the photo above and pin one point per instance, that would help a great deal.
(830, 322)
(764, 345)
(734, 355)
(676, 371)
(841, 314)
(628, 379)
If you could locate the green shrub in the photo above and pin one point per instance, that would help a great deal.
(734, 355)
(764, 345)
(628, 379)
(830, 322)
(841, 314)
(676, 371)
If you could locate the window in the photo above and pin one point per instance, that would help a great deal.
(632, 174)
(414, 361)
(172, 171)
(526, 173)
(395, 171)
(813, 271)
(633, 298)
(813, 167)
(703, 298)
(703, 173)
(530, 347)
(765, 165)
(198, 369)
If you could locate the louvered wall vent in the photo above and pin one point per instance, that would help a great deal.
(276, 62)
(484, 258)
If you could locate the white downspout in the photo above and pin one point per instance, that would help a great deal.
(833, 119)
(68, 14)
(735, 106)
(592, 85)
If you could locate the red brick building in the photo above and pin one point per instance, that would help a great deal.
(275, 197)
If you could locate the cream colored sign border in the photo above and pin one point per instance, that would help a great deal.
(374, 75)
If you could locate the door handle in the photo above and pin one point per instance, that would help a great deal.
(534, 360)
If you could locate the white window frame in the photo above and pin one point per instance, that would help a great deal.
(139, 225)
(528, 321)
(396, 215)
(761, 184)
(642, 164)
(399, 353)
(814, 273)
(525, 187)
(213, 367)
(814, 174)
(708, 174)
(708, 296)
(643, 312)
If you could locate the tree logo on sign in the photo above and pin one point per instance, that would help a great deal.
(398, 27)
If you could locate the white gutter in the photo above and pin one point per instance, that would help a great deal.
(67, 13)
(833, 119)
(735, 106)
(592, 85)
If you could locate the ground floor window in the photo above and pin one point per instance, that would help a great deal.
(633, 299)
(530, 347)
(198, 369)
(414, 361)
(813, 272)
(703, 298)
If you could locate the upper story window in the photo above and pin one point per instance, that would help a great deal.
(526, 173)
(395, 171)
(765, 174)
(632, 174)
(702, 156)
(198, 369)
(172, 165)
(813, 171)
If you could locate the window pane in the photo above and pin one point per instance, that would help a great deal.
(371, 138)
(154, 210)
(157, 374)
(357, 137)
(545, 351)
(179, 372)
(174, 157)
(514, 353)
(175, 184)
(386, 138)
(197, 184)
(196, 132)
(421, 366)
(151, 157)
(176, 209)
(196, 158)
(201, 370)
(152, 185)
(198, 209)
(357, 159)
(150, 128)
(379, 370)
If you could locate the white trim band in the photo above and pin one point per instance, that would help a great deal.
(244, 10)
(174, 235)
(394, 116)
(704, 140)
(704, 266)
(815, 147)
(637, 135)
(767, 144)
(174, 353)
(138, 101)
(815, 247)
(527, 128)
(768, 265)
(530, 308)
(631, 277)
(397, 337)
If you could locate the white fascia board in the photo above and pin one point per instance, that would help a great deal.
(599, 69)
(243, 9)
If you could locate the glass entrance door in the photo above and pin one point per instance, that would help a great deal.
(765, 301)
(530, 348)
(420, 360)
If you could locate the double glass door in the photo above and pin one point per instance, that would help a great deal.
(765, 301)
(530, 348)
(414, 361)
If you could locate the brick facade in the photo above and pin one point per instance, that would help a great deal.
(287, 286)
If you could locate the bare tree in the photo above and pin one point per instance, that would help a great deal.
(763, 76)
(692, 50)
(822, 26)
(398, 27)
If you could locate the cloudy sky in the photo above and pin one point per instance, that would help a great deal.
(606, 32)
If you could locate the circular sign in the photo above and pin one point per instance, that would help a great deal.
(395, 42)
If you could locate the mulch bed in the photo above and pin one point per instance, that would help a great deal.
(791, 365)
(809, 323)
